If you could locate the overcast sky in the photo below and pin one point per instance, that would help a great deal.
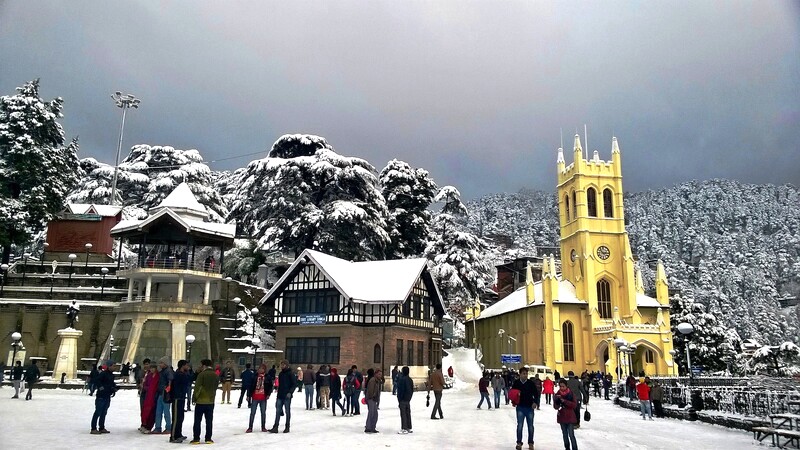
(474, 92)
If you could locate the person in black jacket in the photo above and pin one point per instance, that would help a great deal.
(16, 377)
(405, 390)
(106, 388)
(248, 377)
(31, 377)
(286, 384)
(336, 391)
(92, 381)
(529, 397)
(179, 390)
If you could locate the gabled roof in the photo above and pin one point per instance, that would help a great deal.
(182, 199)
(91, 208)
(376, 282)
(566, 294)
(223, 230)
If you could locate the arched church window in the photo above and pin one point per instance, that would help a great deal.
(608, 203)
(574, 205)
(604, 299)
(566, 207)
(649, 356)
(568, 336)
(376, 354)
(591, 202)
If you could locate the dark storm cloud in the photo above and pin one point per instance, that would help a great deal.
(475, 92)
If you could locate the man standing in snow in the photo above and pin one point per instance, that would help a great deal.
(106, 388)
(395, 374)
(529, 398)
(31, 377)
(227, 376)
(16, 377)
(436, 383)
(373, 395)
(656, 397)
(205, 392)
(405, 390)
(283, 403)
(165, 377)
(180, 387)
(248, 376)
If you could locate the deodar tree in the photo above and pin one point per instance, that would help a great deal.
(37, 167)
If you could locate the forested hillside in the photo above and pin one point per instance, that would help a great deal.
(732, 247)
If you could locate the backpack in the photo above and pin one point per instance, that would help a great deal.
(349, 385)
(514, 395)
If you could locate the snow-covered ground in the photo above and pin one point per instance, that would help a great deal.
(60, 419)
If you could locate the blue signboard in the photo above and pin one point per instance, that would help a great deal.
(697, 370)
(313, 319)
(507, 358)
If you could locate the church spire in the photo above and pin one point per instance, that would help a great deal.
(530, 296)
(614, 145)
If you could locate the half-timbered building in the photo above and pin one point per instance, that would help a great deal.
(373, 314)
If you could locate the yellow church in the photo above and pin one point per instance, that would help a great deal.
(571, 319)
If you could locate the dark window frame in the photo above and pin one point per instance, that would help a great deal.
(604, 303)
(313, 350)
(377, 354)
(608, 203)
(568, 340)
(399, 356)
(591, 202)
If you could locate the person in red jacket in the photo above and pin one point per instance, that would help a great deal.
(450, 371)
(261, 387)
(643, 392)
(565, 403)
(547, 390)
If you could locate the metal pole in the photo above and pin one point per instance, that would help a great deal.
(689, 360)
(14, 355)
(102, 286)
(475, 333)
(119, 150)
(24, 267)
(69, 280)
(52, 276)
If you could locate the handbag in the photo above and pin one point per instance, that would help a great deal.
(587, 416)
(428, 401)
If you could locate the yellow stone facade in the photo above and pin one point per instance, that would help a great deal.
(570, 319)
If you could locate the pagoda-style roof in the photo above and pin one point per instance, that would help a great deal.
(176, 218)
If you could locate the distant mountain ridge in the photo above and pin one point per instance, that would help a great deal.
(733, 247)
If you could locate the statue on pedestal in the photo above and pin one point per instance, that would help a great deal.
(72, 314)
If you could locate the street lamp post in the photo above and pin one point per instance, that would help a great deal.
(632, 350)
(236, 301)
(253, 313)
(44, 253)
(674, 352)
(72, 257)
(4, 274)
(52, 279)
(104, 271)
(686, 330)
(123, 101)
(86, 266)
(227, 295)
(25, 257)
(111, 347)
(16, 344)
(189, 342)
(255, 342)
(619, 343)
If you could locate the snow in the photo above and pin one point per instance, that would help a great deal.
(102, 210)
(366, 281)
(227, 230)
(58, 418)
(182, 198)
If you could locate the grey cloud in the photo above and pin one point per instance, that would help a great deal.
(475, 92)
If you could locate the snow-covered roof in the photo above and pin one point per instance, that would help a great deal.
(647, 301)
(379, 282)
(182, 200)
(566, 294)
(91, 208)
(226, 230)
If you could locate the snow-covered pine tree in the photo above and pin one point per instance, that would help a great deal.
(711, 345)
(242, 261)
(94, 185)
(305, 195)
(150, 173)
(408, 193)
(37, 167)
(456, 256)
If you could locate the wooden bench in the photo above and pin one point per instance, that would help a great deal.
(790, 437)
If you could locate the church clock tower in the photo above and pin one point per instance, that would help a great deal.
(595, 251)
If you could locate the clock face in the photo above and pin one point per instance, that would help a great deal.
(573, 255)
(603, 252)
